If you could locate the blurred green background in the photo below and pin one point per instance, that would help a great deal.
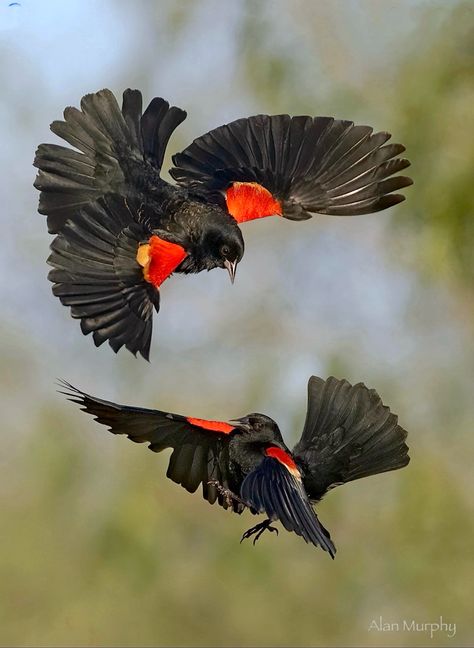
(96, 546)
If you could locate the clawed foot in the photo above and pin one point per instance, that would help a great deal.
(227, 494)
(258, 529)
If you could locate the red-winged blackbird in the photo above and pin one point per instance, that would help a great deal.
(348, 434)
(122, 230)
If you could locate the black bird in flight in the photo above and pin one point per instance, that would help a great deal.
(122, 230)
(348, 434)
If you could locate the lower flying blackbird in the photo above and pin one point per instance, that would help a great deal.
(348, 434)
(122, 230)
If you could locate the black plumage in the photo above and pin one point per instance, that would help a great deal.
(251, 168)
(245, 463)
(348, 434)
(95, 274)
(312, 164)
(273, 490)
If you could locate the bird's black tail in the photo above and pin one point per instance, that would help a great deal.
(348, 434)
(109, 142)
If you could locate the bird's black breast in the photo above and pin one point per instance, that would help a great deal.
(243, 459)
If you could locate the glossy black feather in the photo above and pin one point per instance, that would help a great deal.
(132, 114)
(348, 434)
(157, 125)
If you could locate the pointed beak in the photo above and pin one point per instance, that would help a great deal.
(242, 423)
(231, 268)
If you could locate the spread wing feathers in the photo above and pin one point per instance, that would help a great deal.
(310, 164)
(95, 272)
(111, 148)
(348, 434)
(198, 456)
(273, 490)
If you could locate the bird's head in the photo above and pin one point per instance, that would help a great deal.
(222, 247)
(215, 242)
(259, 428)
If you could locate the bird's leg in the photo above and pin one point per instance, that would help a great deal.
(228, 495)
(258, 529)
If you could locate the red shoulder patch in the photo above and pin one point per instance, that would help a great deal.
(213, 426)
(159, 259)
(284, 458)
(249, 200)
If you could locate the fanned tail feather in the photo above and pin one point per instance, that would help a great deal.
(348, 434)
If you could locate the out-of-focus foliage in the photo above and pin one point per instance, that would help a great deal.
(435, 111)
(96, 546)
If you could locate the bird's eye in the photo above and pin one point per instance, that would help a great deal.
(225, 251)
(257, 427)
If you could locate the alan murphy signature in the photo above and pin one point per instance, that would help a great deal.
(411, 625)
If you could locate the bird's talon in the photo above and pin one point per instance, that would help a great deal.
(257, 530)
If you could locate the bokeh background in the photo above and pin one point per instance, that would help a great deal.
(96, 546)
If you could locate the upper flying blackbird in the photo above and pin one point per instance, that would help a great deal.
(122, 230)
(348, 434)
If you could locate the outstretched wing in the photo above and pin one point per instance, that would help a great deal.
(200, 448)
(116, 151)
(97, 272)
(294, 167)
(108, 259)
(348, 434)
(275, 488)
